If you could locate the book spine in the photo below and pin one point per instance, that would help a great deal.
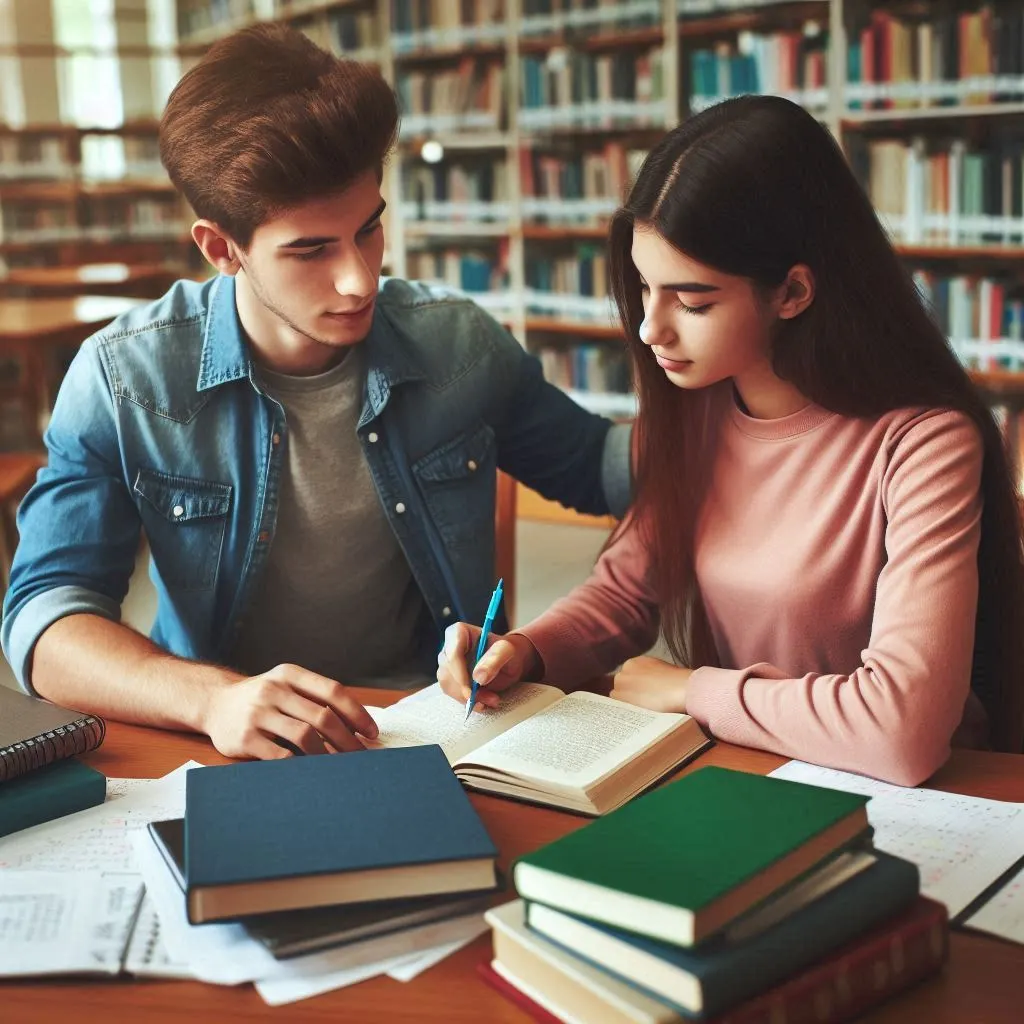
(846, 985)
(68, 741)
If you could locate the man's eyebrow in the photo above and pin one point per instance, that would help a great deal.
(315, 240)
(307, 243)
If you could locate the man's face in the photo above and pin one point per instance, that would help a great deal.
(314, 268)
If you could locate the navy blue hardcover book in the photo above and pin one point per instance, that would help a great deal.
(708, 981)
(264, 836)
(52, 791)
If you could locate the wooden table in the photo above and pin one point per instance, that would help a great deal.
(31, 328)
(983, 983)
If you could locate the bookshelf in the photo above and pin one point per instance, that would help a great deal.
(525, 119)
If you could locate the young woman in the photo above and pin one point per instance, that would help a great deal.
(825, 525)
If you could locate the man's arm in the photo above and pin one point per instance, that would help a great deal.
(553, 445)
(61, 630)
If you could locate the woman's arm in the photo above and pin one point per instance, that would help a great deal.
(893, 716)
(609, 618)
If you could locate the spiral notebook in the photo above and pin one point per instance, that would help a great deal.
(34, 732)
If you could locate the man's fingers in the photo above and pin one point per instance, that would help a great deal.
(320, 717)
(300, 734)
(262, 748)
(456, 640)
(329, 692)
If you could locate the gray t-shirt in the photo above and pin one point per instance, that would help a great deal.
(338, 596)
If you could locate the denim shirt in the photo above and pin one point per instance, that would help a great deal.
(161, 425)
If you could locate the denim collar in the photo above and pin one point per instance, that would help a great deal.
(391, 356)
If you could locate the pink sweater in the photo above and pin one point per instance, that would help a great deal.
(837, 560)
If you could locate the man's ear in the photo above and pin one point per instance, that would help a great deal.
(217, 246)
(796, 293)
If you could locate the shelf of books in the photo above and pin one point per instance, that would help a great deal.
(524, 121)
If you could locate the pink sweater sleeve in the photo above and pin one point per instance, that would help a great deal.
(892, 717)
(609, 618)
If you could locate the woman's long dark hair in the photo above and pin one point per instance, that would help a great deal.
(752, 187)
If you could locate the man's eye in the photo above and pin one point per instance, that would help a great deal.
(370, 228)
(310, 254)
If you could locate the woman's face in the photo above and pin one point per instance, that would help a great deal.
(702, 326)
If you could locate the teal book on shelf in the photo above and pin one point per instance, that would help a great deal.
(49, 792)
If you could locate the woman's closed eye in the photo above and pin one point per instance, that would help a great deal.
(695, 310)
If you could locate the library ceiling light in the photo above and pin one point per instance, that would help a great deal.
(432, 151)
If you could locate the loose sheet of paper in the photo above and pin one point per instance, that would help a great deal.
(401, 967)
(58, 922)
(97, 839)
(431, 716)
(961, 844)
(1003, 914)
(147, 955)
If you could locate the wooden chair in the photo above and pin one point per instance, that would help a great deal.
(17, 474)
(505, 541)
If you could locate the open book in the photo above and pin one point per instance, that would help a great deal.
(578, 751)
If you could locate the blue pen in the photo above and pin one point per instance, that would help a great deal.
(492, 610)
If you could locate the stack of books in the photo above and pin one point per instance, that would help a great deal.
(723, 896)
(308, 853)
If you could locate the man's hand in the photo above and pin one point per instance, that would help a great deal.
(508, 660)
(651, 683)
(247, 718)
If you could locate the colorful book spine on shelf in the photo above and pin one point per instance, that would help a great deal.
(953, 57)
(581, 188)
(483, 274)
(945, 193)
(34, 157)
(456, 192)
(790, 64)
(595, 368)
(446, 24)
(687, 9)
(548, 17)
(577, 89)
(571, 287)
(982, 317)
(468, 98)
(208, 17)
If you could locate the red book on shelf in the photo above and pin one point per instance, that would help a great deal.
(864, 973)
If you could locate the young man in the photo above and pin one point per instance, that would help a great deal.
(310, 453)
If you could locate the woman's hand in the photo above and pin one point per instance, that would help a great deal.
(651, 683)
(508, 660)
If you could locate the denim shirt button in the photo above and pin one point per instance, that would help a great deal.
(471, 465)
(400, 507)
(372, 437)
(178, 511)
(446, 611)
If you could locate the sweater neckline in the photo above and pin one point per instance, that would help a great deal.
(802, 421)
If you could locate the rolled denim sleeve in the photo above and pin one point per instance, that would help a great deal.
(551, 444)
(79, 528)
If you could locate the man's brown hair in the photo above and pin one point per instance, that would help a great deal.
(267, 120)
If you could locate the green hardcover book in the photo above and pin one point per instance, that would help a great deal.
(682, 862)
(49, 792)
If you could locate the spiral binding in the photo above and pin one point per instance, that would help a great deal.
(77, 738)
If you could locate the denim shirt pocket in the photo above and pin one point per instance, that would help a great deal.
(457, 481)
(185, 521)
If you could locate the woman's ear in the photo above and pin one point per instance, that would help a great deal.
(796, 293)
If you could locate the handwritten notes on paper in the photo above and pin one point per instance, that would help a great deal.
(961, 844)
(1003, 915)
(60, 922)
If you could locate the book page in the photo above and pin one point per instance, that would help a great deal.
(961, 844)
(577, 741)
(56, 922)
(431, 716)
